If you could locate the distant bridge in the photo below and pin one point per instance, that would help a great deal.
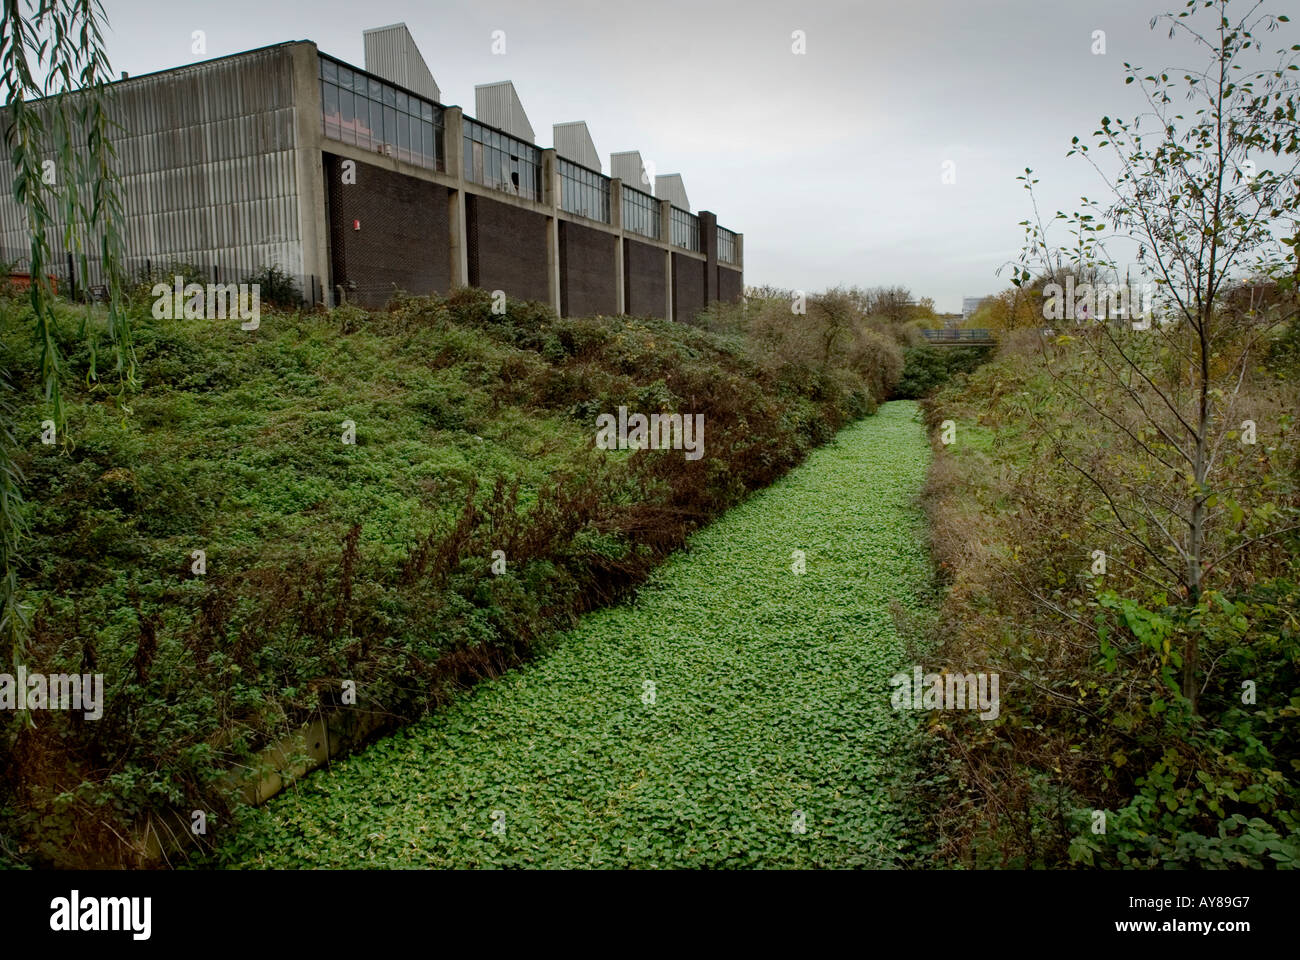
(959, 338)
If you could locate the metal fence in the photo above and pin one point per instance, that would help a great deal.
(72, 282)
(640, 213)
(361, 109)
(950, 335)
(727, 246)
(583, 191)
(495, 159)
(686, 230)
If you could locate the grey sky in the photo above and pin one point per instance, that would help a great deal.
(830, 163)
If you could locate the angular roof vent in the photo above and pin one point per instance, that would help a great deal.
(497, 105)
(391, 53)
(573, 142)
(669, 187)
(630, 168)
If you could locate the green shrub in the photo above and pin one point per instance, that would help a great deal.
(276, 288)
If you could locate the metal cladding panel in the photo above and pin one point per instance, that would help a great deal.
(391, 53)
(573, 142)
(630, 168)
(497, 105)
(207, 156)
(670, 187)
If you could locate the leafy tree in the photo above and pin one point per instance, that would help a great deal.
(1201, 191)
(54, 71)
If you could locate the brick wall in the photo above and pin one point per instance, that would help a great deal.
(688, 287)
(731, 284)
(403, 242)
(587, 282)
(403, 236)
(644, 285)
(507, 249)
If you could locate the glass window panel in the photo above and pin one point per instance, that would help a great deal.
(374, 89)
(364, 133)
(347, 116)
(376, 122)
(345, 77)
(360, 83)
(426, 129)
(403, 133)
(329, 70)
(330, 109)
(390, 125)
(426, 111)
(390, 96)
(402, 104)
(330, 100)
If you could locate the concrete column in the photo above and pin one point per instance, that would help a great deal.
(453, 133)
(616, 203)
(740, 250)
(309, 169)
(666, 235)
(616, 221)
(453, 142)
(551, 198)
(709, 247)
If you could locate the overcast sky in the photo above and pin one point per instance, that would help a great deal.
(831, 163)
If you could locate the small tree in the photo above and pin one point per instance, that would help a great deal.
(1202, 190)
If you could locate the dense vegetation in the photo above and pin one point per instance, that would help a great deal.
(737, 714)
(370, 562)
(1094, 718)
(926, 369)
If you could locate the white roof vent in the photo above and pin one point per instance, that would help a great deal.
(497, 105)
(391, 53)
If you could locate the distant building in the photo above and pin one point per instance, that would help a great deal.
(969, 305)
(358, 182)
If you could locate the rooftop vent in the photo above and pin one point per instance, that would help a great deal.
(497, 105)
(669, 187)
(391, 53)
(573, 142)
(629, 167)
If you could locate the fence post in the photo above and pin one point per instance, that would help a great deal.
(72, 279)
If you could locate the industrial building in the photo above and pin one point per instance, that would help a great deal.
(359, 182)
(971, 304)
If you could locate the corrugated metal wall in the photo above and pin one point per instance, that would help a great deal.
(392, 54)
(629, 167)
(497, 105)
(208, 157)
(573, 142)
(669, 186)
